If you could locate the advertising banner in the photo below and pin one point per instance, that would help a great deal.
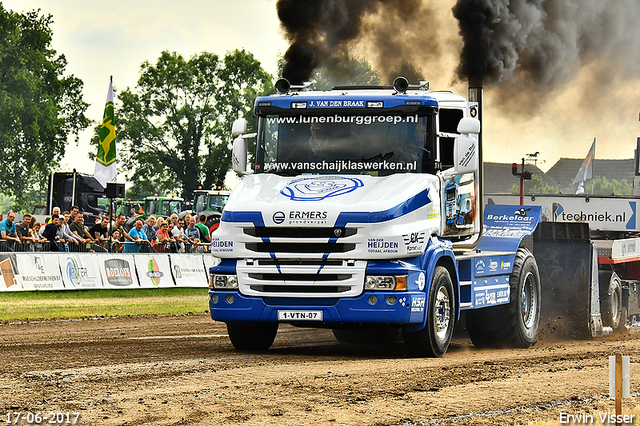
(8, 281)
(118, 271)
(506, 226)
(188, 271)
(39, 271)
(154, 271)
(80, 271)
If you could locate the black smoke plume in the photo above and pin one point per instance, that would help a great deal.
(320, 32)
(324, 32)
(518, 46)
(546, 42)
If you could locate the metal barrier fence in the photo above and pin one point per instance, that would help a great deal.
(104, 247)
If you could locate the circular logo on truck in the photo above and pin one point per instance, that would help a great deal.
(318, 188)
(278, 217)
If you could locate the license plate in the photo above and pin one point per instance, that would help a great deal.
(299, 315)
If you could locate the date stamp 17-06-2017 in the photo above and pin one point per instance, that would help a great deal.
(40, 418)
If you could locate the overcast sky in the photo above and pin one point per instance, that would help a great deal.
(100, 39)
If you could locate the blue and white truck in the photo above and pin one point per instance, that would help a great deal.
(363, 213)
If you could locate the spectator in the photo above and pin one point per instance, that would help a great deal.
(74, 212)
(119, 226)
(8, 229)
(116, 245)
(174, 219)
(191, 232)
(150, 232)
(78, 229)
(23, 231)
(38, 239)
(158, 224)
(55, 210)
(100, 230)
(178, 235)
(51, 232)
(164, 238)
(138, 236)
(204, 231)
(68, 236)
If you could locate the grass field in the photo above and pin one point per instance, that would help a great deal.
(96, 303)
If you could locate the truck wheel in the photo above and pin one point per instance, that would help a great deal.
(366, 336)
(433, 340)
(514, 324)
(611, 299)
(252, 336)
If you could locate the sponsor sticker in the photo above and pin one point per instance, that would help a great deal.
(380, 245)
(418, 303)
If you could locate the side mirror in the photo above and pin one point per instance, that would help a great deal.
(239, 154)
(469, 125)
(465, 151)
(239, 127)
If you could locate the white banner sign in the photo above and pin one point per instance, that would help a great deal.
(80, 271)
(39, 271)
(154, 271)
(188, 271)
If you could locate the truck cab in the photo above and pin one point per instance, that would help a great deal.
(346, 220)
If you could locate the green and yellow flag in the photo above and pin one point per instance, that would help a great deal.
(106, 159)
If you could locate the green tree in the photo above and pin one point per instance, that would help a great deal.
(6, 203)
(600, 185)
(39, 107)
(534, 186)
(174, 129)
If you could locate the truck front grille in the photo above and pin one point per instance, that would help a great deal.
(313, 278)
(300, 247)
(272, 232)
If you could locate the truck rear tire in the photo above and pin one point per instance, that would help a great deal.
(516, 323)
(433, 340)
(611, 299)
(366, 336)
(252, 336)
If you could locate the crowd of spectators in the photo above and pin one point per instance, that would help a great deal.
(67, 231)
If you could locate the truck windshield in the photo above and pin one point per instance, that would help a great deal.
(351, 144)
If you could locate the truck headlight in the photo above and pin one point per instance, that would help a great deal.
(223, 282)
(385, 282)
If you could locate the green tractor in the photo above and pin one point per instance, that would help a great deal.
(209, 202)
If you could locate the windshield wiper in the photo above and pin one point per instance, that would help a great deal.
(380, 157)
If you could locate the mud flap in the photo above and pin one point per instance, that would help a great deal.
(568, 265)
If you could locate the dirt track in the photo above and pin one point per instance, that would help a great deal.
(183, 370)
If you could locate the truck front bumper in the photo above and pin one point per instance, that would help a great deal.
(370, 307)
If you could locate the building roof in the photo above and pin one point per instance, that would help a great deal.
(499, 180)
(565, 170)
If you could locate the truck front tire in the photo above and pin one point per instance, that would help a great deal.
(252, 336)
(433, 340)
(516, 323)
